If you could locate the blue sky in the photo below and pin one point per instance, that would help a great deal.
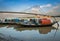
(20, 5)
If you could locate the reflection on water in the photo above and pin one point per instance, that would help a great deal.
(17, 33)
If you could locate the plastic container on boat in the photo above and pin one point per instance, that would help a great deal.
(45, 21)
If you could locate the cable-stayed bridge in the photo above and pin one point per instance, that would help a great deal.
(30, 12)
(34, 10)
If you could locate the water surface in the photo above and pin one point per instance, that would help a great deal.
(17, 33)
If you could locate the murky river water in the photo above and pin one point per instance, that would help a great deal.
(17, 33)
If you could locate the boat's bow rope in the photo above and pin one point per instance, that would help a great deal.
(56, 22)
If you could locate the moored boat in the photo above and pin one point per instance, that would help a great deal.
(37, 22)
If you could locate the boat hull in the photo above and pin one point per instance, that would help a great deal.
(36, 25)
(24, 25)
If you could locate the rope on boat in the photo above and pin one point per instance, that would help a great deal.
(56, 22)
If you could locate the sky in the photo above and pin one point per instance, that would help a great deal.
(21, 5)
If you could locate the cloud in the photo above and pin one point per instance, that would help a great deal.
(50, 9)
(39, 9)
(44, 6)
(55, 11)
(35, 10)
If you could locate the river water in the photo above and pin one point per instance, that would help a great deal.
(18, 33)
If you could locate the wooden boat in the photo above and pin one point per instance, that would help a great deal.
(38, 23)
